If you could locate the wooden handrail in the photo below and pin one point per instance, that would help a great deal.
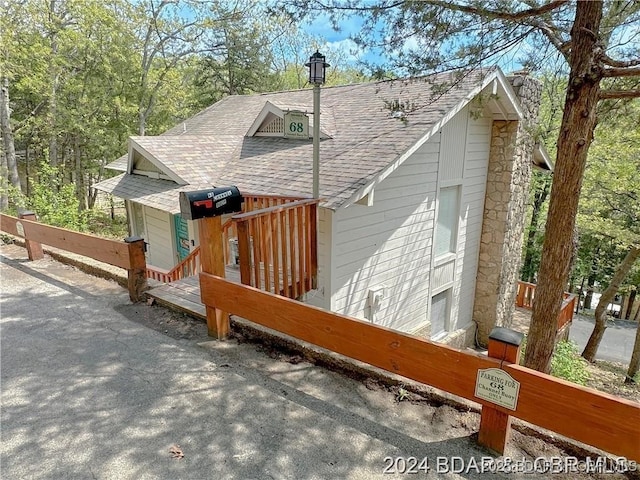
(277, 208)
(189, 266)
(128, 254)
(571, 410)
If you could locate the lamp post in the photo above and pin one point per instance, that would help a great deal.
(317, 69)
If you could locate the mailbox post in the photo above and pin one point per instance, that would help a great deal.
(208, 206)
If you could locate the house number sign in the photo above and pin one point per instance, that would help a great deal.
(497, 386)
(296, 125)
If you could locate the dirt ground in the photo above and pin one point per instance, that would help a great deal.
(454, 418)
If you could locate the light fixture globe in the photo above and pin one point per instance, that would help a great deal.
(317, 68)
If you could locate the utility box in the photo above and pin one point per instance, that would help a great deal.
(210, 203)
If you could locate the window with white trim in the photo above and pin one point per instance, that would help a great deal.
(446, 237)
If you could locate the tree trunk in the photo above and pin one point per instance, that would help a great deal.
(79, 176)
(590, 350)
(634, 364)
(4, 199)
(540, 197)
(576, 134)
(632, 300)
(53, 92)
(7, 136)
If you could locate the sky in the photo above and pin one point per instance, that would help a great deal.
(321, 27)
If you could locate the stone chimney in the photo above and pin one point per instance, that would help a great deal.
(509, 176)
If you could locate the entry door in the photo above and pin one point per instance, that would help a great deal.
(181, 230)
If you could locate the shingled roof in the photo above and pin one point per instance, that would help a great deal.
(372, 127)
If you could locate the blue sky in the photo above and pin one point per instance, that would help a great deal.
(321, 27)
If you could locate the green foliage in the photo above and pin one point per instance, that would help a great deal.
(100, 223)
(54, 202)
(567, 363)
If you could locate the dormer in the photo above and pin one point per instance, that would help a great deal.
(270, 122)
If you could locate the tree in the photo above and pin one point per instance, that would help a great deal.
(610, 204)
(634, 364)
(587, 34)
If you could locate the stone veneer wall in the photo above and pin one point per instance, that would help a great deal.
(508, 180)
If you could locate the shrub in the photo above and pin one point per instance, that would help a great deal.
(568, 364)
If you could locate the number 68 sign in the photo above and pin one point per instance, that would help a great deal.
(296, 125)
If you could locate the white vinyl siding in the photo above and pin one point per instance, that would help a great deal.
(322, 295)
(474, 184)
(388, 245)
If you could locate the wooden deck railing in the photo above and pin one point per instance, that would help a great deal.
(251, 203)
(527, 293)
(188, 267)
(278, 248)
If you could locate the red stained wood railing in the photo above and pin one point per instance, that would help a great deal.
(278, 248)
(527, 293)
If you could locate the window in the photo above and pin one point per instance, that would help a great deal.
(440, 307)
(447, 222)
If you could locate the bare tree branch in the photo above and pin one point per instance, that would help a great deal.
(502, 15)
(621, 72)
(607, 60)
(611, 94)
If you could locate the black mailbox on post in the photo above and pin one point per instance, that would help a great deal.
(210, 203)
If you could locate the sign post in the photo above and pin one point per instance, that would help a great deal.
(497, 386)
(208, 206)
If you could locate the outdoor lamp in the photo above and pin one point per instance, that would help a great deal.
(317, 68)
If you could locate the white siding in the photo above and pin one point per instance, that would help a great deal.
(452, 150)
(321, 296)
(471, 213)
(159, 238)
(389, 244)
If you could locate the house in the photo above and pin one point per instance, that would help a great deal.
(423, 184)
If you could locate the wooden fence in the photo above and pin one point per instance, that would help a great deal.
(595, 418)
(527, 293)
(128, 254)
(278, 248)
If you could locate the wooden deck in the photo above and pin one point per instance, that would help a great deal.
(184, 295)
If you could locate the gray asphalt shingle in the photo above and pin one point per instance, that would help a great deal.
(212, 147)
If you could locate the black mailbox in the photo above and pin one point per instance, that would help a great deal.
(210, 203)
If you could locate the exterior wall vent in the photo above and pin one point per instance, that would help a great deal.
(274, 126)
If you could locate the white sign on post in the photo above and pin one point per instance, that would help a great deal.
(497, 386)
(20, 229)
(296, 125)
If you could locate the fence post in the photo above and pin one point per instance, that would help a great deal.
(34, 249)
(212, 261)
(520, 296)
(244, 251)
(495, 425)
(137, 271)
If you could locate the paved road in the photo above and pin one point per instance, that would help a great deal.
(88, 391)
(617, 343)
